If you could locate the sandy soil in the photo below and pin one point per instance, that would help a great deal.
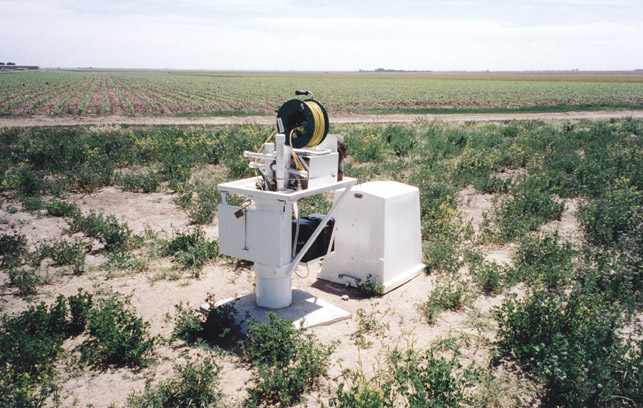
(155, 299)
(269, 120)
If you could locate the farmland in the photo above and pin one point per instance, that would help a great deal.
(531, 237)
(151, 93)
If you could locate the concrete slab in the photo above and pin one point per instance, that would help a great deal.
(306, 309)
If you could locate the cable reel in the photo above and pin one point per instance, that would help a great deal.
(304, 122)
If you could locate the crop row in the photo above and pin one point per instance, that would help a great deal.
(147, 92)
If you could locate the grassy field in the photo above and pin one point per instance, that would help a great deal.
(557, 323)
(138, 93)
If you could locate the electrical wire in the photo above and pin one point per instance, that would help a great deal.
(268, 184)
(307, 272)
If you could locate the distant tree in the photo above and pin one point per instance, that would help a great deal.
(11, 63)
(1, 63)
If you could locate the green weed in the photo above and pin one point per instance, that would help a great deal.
(13, 249)
(25, 279)
(529, 207)
(195, 385)
(452, 295)
(30, 345)
(544, 261)
(218, 326)
(370, 287)
(118, 336)
(117, 237)
(369, 323)
(191, 249)
(571, 344)
(59, 208)
(145, 183)
(489, 275)
(288, 360)
(203, 208)
(614, 217)
(410, 378)
(63, 253)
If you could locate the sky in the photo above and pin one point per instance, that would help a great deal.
(334, 35)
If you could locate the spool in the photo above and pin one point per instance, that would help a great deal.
(304, 122)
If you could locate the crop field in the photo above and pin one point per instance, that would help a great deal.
(97, 93)
(532, 238)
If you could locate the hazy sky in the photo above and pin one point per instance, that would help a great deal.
(324, 35)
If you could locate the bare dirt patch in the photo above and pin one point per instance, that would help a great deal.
(155, 210)
(143, 109)
(568, 227)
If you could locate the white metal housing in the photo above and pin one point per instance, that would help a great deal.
(377, 232)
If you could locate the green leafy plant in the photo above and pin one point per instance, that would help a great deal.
(64, 253)
(288, 360)
(570, 343)
(217, 326)
(80, 306)
(25, 279)
(611, 218)
(368, 324)
(195, 385)
(447, 295)
(411, 378)
(529, 206)
(370, 286)
(13, 249)
(118, 336)
(30, 344)
(489, 275)
(191, 249)
(544, 260)
(204, 207)
(59, 208)
(146, 183)
(116, 236)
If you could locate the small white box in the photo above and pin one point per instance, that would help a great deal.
(256, 236)
(377, 232)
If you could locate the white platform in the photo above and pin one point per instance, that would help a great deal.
(306, 309)
(377, 232)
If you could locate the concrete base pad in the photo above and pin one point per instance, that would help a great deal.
(306, 309)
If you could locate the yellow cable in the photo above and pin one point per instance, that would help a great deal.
(320, 123)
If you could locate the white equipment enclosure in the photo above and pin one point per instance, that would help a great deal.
(377, 233)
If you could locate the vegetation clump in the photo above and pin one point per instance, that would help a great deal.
(191, 249)
(195, 385)
(447, 295)
(119, 337)
(370, 287)
(31, 343)
(288, 362)
(217, 326)
(410, 378)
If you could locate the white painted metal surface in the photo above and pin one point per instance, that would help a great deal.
(377, 232)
